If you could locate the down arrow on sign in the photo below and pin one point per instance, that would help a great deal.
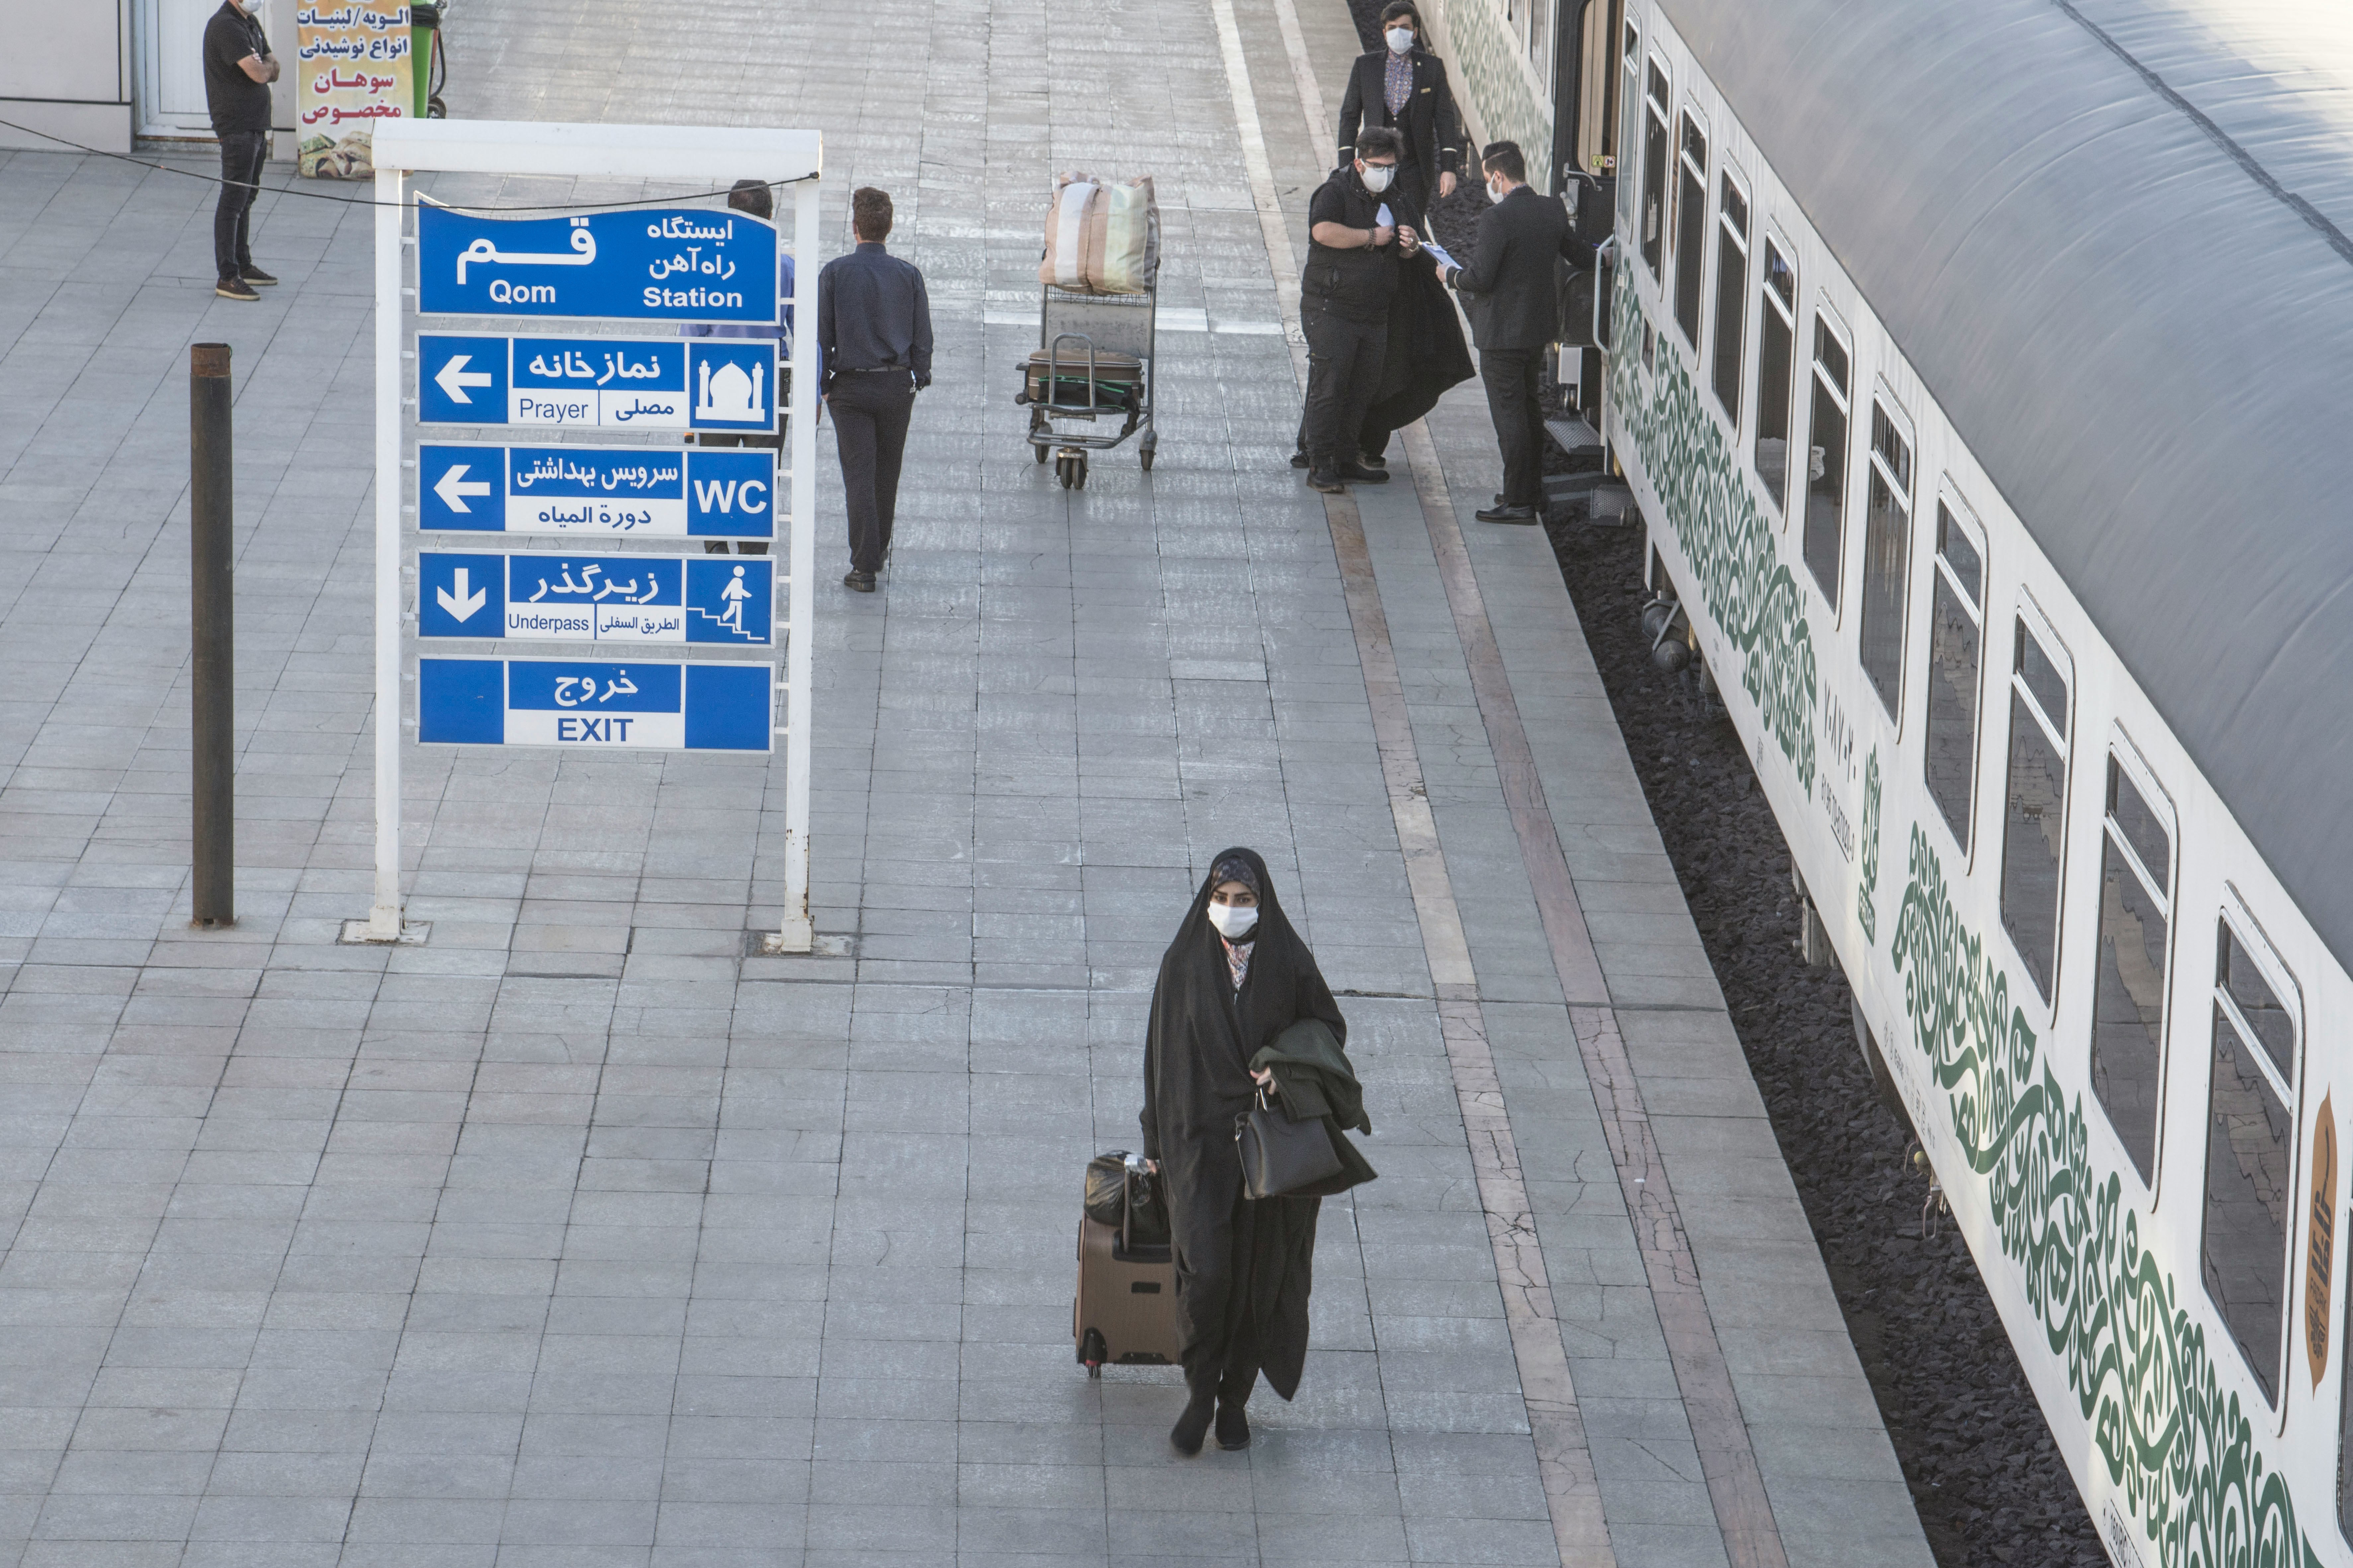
(461, 604)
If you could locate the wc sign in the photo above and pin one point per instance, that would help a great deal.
(614, 492)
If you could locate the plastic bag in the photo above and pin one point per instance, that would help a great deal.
(1119, 1192)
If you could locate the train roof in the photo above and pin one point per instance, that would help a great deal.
(2110, 235)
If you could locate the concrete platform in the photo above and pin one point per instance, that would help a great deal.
(575, 1236)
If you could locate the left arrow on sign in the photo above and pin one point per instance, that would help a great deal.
(461, 604)
(453, 486)
(454, 378)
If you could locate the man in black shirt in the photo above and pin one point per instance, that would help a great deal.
(874, 339)
(1343, 305)
(238, 69)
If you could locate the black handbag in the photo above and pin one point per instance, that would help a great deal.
(1281, 1157)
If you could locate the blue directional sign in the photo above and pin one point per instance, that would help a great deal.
(613, 384)
(641, 705)
(721, 599)
(674, 264)
(614, 493)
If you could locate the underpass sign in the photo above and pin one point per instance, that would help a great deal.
(723, 600)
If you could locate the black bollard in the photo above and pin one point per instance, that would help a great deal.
(212, 618)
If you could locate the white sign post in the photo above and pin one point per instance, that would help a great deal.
(713, 160)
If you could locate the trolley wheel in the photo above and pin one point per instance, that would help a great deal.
(1091, 1352)
(1144, 454)
(1078, 470)
(1038, 450)
(435, 108)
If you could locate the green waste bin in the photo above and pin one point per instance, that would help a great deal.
(424, 33)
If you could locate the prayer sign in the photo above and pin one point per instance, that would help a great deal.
(613, 384)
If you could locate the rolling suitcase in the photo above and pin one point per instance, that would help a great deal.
(1125, 1310)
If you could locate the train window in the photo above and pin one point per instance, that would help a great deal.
(1629, 95)
(1956, 637)
(1777, 352)
(1826, 461)
(2036, 822)
(1731, 295)
(2249, 1153)
(2128, 1003)
(1886, 556)
(1690, 228)
(1655, 173)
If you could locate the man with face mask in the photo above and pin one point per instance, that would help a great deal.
(1402, 87)
(1510, 291)
(1354, 253)
(238, 69)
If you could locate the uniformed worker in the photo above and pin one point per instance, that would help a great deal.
(1353, 261)
(874, 339)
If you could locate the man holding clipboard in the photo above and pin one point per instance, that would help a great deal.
(1509, 292)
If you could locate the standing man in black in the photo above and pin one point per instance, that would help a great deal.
(875, 337)
(238, 69)
(1509, 291)
(1353, 257)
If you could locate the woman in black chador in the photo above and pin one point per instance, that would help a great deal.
(1236, 976)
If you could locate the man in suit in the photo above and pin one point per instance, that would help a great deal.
(1509, 291)
(1403, 88)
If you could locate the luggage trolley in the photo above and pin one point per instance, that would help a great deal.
(1094, 362)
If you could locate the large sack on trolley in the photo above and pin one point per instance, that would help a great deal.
(1102, 236)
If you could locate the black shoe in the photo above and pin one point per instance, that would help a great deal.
(1233, 1427)
(1356, 473)
(1298, 459)
(858, 582)
(1373, 460)
(234, 289)
(1326, 480)
(1508, 514)
(255, 275)
(1194, 1425)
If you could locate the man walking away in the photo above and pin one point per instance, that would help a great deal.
(874, 339)
(238, 69)
(752, 196)
(1352, 256)
(1510, 292)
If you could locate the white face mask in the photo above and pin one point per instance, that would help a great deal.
(1400, 40)
(1497, 192)
(1233, 922)
(1377, 177)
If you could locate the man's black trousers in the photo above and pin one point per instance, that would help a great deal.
(242, 155)
(870, 427)
(1510, 376)
(1344, 375)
